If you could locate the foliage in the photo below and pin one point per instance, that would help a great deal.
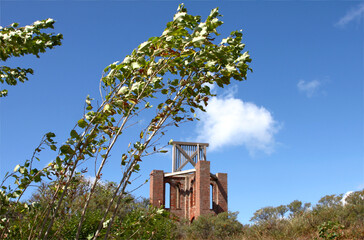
(18, 41)
(221, 226)
(330, 230)
(330, 218)
(146, 223)
(70, 212)
(175, 68)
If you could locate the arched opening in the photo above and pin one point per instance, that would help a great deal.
(167, 195)
(211, 196)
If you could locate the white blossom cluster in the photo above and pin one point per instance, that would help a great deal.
(26, 32)
(14, 73)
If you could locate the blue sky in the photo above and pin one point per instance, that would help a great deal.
(295, 127)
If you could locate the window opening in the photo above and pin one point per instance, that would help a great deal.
(167, 196)
(211, 196)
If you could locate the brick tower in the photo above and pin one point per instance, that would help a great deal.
(190, 190)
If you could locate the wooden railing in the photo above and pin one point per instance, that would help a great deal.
(187, 152)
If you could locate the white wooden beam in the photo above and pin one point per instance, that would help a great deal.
(179, 173)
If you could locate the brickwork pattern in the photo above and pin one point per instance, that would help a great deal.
(190, 193)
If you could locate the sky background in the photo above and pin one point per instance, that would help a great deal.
(293, 130)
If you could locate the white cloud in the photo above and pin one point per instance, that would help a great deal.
(309, 88)
(343, 200)
(230, 121)
(356, 13)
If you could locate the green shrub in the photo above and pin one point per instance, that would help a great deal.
(221, 226)
(145, 223)
(330, 230)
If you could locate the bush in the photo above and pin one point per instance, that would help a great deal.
(221, 226)
(145, 223)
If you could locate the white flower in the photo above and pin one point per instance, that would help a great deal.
(38, 41)
(88, 116)
(135, 86)
(106, 223)
(180, 6)
(150, 71)
(198, 39)
(202, 25)
(49, 20)
(114, 63)
(28, 28)
(215, 20)
(178, 15)
(224, 41)
(230, 68)
(242, 57)
(111, 72)
(123, 90)
(143, 45)
(107, 108)
(135, 65)
(204, 31)
(36, 23)
(127, 59)
(49, 43)
(160, 61)
(213, 11)
(6, 37)
(210, 63)
(160, 211)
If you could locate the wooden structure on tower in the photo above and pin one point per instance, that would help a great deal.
(193, 192)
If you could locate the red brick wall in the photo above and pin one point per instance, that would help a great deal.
(202, 188)
(194, 192)
(221, 195)
(157, 188)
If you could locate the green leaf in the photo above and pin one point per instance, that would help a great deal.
(137, 167)
(82, 123)
(50, 135)
(66, 149)
(74, 134)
